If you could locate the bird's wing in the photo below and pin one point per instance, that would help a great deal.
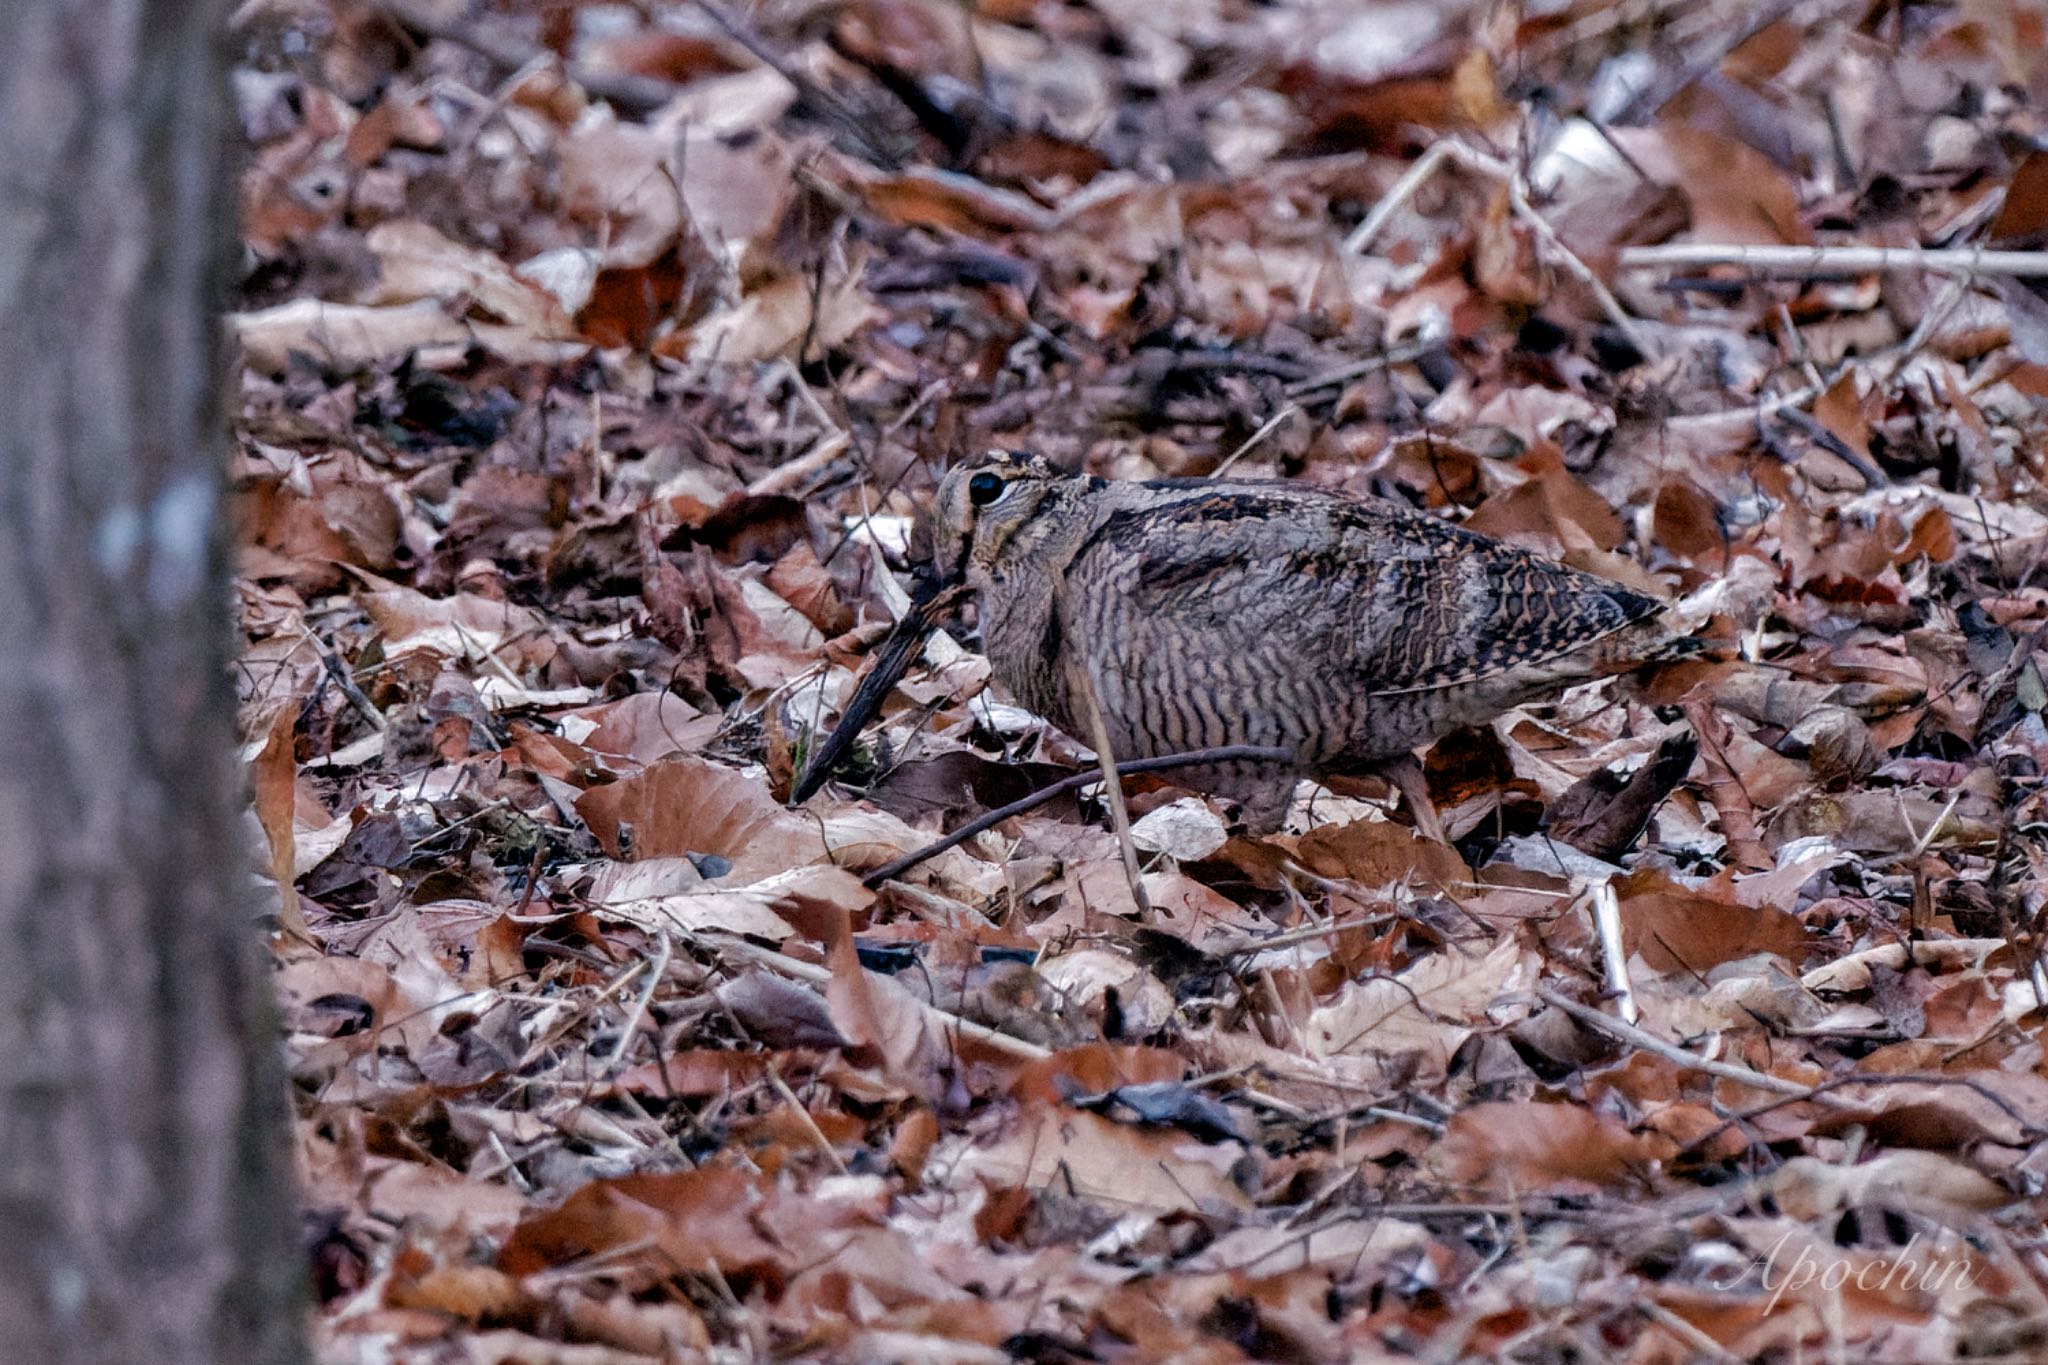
(1396, 599)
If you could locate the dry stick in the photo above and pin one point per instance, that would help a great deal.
(1398, 194)
(1701, 423)
(1566, 257)
(1715, 36)
(867, 463)
(814, 94)
(1811, 427)
(1493, 168)
(1706, 1347)
(815, 975)
(1671, 1052)
(338, 671)
(575, 1014)
(805, 1117)
(788, 476)
(1246, 945)
(1272, 425)
(1953, 292)
(507, 55)
(1846, 260)
(1613, 951)
(1824, 1093)
(1228, 753)
(831, 442)
(1358, 369)
(638, 1012)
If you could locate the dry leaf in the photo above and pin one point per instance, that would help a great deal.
(1429, 1009)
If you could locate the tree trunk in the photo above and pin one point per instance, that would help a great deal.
(145, 1204)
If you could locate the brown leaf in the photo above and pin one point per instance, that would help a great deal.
(1430, 1009)
(1921, 1181)
(877, 1013)
(275, 775)
(780, 1013)
(1675, 930)
(1094, 1158)
(2022, 221)
(702, 1072)
(646, 727)
(1736, 194)
(763, 908)
(1891, 820)
(698, 1221)
(1732, 800)
(1508, 1149)
(416, 262)
(469, 1293)
(779, 317)
(1375, 853)
(1604, 815)
(466, 626)
(687, 805)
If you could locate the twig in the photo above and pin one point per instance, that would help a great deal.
(1745, 416)
(1158, 365)
(1872, 476)
(867, 463)
(792, 474)
(1227, 753)
(1344, 374)
(487, 655)
(1718, 34)
(803, 1116)
(1706, 1346)
(1838, 260)
(1398, 194)
(640, 1004)
(1249, 945)
(1569, 259)
(1607, 920)
(1953, 292)
(812, 93)
(338, 671)
(1924, 841)
(508, 54)
(574, 1016)
(1493, 168)
(815, 975)
(1272, 424)
(1825, 1093)
(1671, 1052)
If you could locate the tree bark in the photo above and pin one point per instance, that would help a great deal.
(145, 1203)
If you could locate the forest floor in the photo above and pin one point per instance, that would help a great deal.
(593, 358)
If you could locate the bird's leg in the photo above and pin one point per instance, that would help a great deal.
(1407, 776)
(1112, 784)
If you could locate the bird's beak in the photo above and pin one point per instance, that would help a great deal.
(892, 660)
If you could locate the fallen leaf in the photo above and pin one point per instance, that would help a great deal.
(1429, 1009)
(1516, 1149)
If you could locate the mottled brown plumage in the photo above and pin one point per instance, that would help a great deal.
(1212, 612)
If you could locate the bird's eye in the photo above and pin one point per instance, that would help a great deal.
(984, 488)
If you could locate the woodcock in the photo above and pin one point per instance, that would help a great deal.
(1209, 612)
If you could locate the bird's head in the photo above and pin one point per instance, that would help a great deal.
(978, 510)
(975, 515)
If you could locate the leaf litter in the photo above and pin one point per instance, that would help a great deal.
(593, 358)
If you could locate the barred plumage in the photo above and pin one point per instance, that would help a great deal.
(1211, 612)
